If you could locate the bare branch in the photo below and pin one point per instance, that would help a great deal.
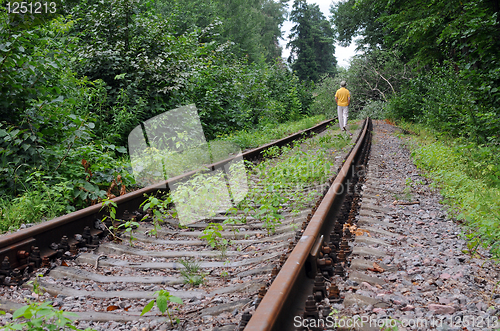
(375, 88)
(392, 88)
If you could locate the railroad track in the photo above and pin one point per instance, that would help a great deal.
(384, 256)
(379, 253)
(17, 246)
(109, 285)
(307, 280)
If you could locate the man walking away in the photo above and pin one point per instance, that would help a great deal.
(343, 99)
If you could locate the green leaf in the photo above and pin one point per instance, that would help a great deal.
(20, 312)
(148, 307)
(45, 312)
(89, 187)
(58, 99)
(162, 303)
(175, 299)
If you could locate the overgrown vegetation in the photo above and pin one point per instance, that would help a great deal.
(162, 301)
(213, 236)
(191, 273)
(74, 85)
(269, 132)
(159, 210)
(291, 174)
(287, 176)
(435, 64)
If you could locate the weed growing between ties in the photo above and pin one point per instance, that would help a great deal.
(291, 175)
(212, 234)
(41, 315)
(224, 273)
(270, 200)
(469, 179)
(130, 227)
(233, 221)
(114, 223)
(162, 300)
(202, 196)
(191, 273)
(159, 210)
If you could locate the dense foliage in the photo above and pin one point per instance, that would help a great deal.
(73, 86)
(452, 48)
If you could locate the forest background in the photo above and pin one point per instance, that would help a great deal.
(73, 84)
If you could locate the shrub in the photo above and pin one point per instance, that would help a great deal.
(374, 109)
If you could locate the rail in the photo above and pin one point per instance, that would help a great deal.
(288, 292)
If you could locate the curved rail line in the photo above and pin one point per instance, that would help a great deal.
(17, 247)
(288, 292)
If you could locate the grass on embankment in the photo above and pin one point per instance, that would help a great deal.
(270, 132)
(469, 180)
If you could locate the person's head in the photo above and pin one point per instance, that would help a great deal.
(343, 83)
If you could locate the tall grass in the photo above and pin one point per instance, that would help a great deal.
(31, 207)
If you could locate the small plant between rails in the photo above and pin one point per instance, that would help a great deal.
(40, 315)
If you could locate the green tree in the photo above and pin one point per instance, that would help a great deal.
(252, 26)
(424, 32)
(353, 19)
(446, 43)
(312, 42)
(138, 55)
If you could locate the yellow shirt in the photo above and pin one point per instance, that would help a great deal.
(342, 96)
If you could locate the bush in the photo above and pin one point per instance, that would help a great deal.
(32, 207)
(450, 103)
(374, 109)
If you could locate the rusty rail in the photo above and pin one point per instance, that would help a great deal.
(16, 246)
(287, 294)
